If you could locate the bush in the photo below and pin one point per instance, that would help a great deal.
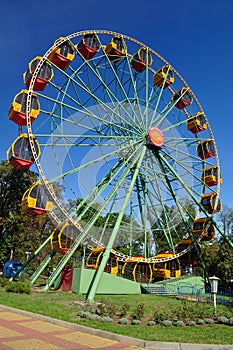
(166, 323)
(139, 310)
(222, 320)
(200, 321)
(192, 323)
(136, 322)
(124, 309)
(179, 324)
(81, 313)
(106, 319)
(86, 314)
(19, 287)
(3, 281)
(123, 320)
(209, 321)
(151, 323)
(231, 321)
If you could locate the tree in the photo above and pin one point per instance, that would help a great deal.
(13, 184)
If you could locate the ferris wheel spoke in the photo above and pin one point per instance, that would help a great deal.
(112, 97)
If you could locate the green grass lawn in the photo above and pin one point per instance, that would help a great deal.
(65, 306)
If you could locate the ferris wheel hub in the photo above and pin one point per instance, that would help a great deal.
(156, 136)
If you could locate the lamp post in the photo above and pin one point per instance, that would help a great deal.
(214, 289)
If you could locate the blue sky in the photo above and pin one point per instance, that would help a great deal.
(195, 37)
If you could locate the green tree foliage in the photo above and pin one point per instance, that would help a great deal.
(19, 234)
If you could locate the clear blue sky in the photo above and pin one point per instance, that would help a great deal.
(195, 37)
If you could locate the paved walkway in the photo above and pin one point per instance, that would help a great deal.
(22, 330)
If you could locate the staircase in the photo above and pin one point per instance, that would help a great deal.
(159, 290)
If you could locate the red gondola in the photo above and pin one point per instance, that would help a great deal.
(36, 200)
(191, 256)
(208, 201)
(196, 123)
(205, 149)
(182, 98)
(88, 46)
(141, 59)
(115, 49)
(63, 54)
(17, 110)
(44, 75)
(210, 176)
(164, 73)
(20, 155)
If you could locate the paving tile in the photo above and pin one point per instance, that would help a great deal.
(91, 341)
(30, 344)
(10, 316)
(8, 333)
(43, 327)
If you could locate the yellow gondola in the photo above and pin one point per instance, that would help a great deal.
(167, 269)
(164, 73)
(95, 257)
(44, 75)
(141, 59)
(63, 237)
(210, 176)
(205, 149)
(199, 226)
(63, 54)
(115, 49)
(208, 201)
(137, 270)
(182, 98)
(17, 110)
(36, 200)
(88, 46)
(196, 123)
(20, 155)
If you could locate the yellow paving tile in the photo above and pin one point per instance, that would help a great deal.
(32, 344)
(92, 341)
(10, 316)
(6, 332)
(43, 327)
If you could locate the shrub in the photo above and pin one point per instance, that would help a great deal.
(106, 319)
(3, 281)
(223, 320)
(136, 322)
(19, 287)
(231, 321)
(123, 320)
(200, 321)
(179, 324)
(166, 323)
(139, 310)
(151, 323)
(191, 323)
(124, 309)
(86, 314)
(94, 317)
(159, 316)
(209, 321)
(81, 313)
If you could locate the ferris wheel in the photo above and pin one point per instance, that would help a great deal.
(116, 127)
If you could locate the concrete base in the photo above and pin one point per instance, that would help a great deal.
(109, 284)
